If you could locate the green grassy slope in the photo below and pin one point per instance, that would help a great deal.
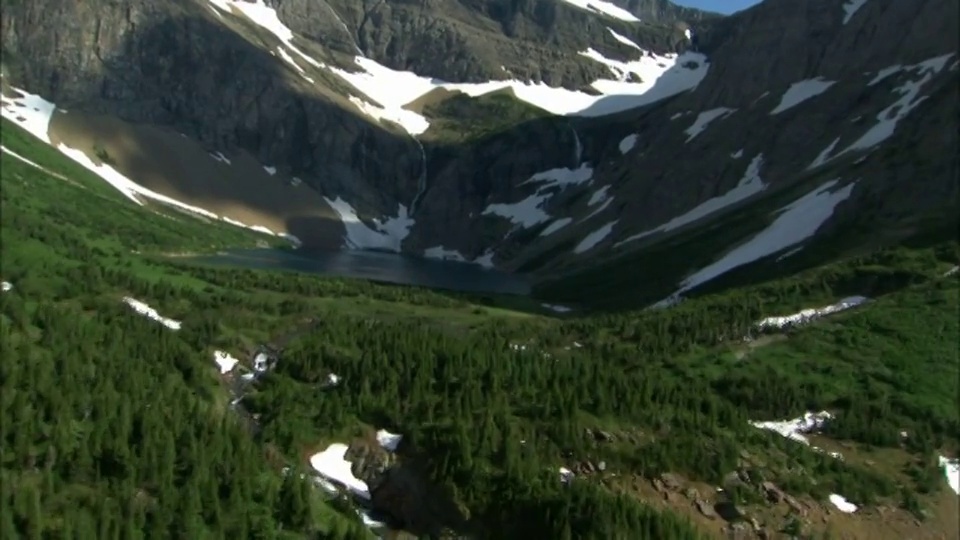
(114, 426)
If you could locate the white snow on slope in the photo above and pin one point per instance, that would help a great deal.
(390, 90)
(599, 196)
(528, 212)
(738, 154)
(332, 465)
(557, 308)
(796, 428)
(388, 234)
(627, 143)
(151, 313)
(225, 360)
(623, 39)
(443, 254)
(909, 99)
(884, 73)
(594, 238)
(951, 469)
(850, 8)
(6, 286)
(221, 158)
(661, 77)
(749, 185)
(808, 315)
(556, 226)
(797, 221)
(266, 17)
(824, 156)
(604, 8)
(802, 91)
(704, 119)
(841, 503)
(388, 441)
(33, 113)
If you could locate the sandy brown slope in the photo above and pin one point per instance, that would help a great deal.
(178, 167)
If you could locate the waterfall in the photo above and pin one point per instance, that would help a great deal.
(577, 148)
(422, 181)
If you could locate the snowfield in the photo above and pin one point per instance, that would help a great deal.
(150, 313)
(795, 223)
(225, 361)
(802, 91)
(795, 429)
(808, 315)
(389, 441)
(529, 212)
(750, 185)
(332, 465)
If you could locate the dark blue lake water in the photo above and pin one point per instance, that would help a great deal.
(377, 266)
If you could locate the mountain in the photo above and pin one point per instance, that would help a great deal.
(781, 183)
(540, 136)
(147, 396)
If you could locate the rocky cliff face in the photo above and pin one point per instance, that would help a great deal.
(614, 125)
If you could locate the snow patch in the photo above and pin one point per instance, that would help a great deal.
(841, 503)
(270, 170)
(660, 77)
(388, 234)
(807, 315)
(30, 111)
(332, 465)
(623, 39)
(604, 8)
(556, 226)
(220, 157)
(909, 92)
(150, 313)
(225, 361)
(849, 9)
(264, 16)
(528, 212)
(802, 91)
(951, 469)
(627, 143)
(884, 73)
(824, 156)
(440, 252)
(704, 119)
(557, 308)
(594, 238)
(797, 221)
(796, 428)
(749, 185)
(388, 441)
(6, 286)
(738, 154)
